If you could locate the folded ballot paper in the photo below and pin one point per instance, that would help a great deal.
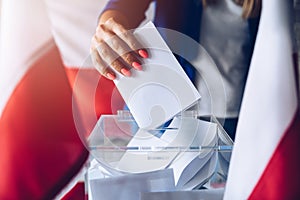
(162, 89)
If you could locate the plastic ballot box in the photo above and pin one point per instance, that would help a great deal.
(185, 154)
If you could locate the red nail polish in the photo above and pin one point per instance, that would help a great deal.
(126, 72)
(110, 76)
(143, 53)
(137, 66)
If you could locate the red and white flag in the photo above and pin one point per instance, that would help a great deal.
(40, 145)
(265, 162)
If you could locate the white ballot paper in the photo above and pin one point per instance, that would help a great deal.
(162, 89)
(130, 187)
(188, 163)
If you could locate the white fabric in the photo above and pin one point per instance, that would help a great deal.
(225, 36)
(73, 24)
(269, 103)
(24, 30)
(0, 26)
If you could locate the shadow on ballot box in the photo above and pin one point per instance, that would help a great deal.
(187, 158)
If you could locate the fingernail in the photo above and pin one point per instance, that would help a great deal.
(110, 76)
(143, 53)
(137, 66)
(126, 72)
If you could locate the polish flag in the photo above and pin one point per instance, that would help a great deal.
(42, 123)
(265, 160)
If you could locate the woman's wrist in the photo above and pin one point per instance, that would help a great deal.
(117, 16)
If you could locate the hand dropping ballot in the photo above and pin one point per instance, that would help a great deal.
(162, 89)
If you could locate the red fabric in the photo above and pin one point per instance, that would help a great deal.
(94, 95)
(280, 179)
(77, 193)
(40, 148)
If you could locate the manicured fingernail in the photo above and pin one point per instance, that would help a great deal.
(126, 72)
(143, 53)
(110, 76)
(137, 66)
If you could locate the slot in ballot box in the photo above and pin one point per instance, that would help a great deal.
(185, 154)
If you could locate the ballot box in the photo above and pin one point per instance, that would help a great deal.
(188, 155)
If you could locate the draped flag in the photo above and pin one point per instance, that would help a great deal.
(265, 162)
(40, 145)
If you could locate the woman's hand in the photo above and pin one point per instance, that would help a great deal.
(113, 46)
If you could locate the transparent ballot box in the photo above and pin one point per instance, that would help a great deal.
(185, 154)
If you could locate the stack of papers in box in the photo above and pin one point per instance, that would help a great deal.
(188, 147)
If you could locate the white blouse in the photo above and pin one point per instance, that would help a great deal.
(225, 36)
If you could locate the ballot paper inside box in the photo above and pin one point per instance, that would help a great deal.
(186, 153)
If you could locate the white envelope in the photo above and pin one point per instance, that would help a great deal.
(162, 89)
